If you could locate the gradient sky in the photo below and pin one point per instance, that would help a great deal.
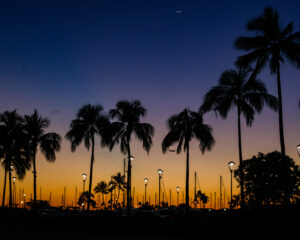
(56, 56)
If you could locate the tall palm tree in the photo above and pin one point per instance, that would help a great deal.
(89, 123)
(271, 44)
(47, 143)
(184, 127)
(102, 188)
(241, 89)
(14, 148)
(120, 183)
(128, 114)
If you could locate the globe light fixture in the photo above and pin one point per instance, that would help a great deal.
(84, 176)
(298, 149)
(177, 190)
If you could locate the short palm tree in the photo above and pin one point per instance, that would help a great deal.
(271, 44)
(89, 123)
(183, 128)
(120, 183)
(47, 143)
(102, 188)
(86, 198)
(240, 89)
(14, 148)
(128, 114)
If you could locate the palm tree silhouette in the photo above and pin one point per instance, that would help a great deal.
(14, 148)
(86, 198)
(184, 127)
(89, 122)
(243, 90)
(271, 44)
(119, 181)
(102, 188)
(128, 114)
(47, 143)
(111, 187)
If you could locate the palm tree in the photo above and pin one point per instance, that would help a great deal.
(86, 198)
(271, 44)
(183, 128)
(47, 143)
(128, 114)
(14, 149)
(119, 181)
(89, 123)
(111, 187)
(102, 188)
(248, 94)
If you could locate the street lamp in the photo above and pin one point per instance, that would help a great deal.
(298, 149)
(84, 178)
(14, 189)
(177, 190)
(160, 172)
(146, 180)
(129, 200)
(230, 165)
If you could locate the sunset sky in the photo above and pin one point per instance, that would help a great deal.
(57, 55)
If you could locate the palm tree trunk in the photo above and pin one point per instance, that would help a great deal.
(4, 188)
(118, 196)
(281, 132)
(241, 159)
(103, 199)
(128, 182)
(34, 181)
(187, 175)
(91, 173)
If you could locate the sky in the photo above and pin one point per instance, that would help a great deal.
(57, 55)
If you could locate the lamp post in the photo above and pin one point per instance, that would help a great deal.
(146, 183)
(129, 198)
(177, 190)
(14, 190)
(298, 149)
(84, 178)
(230, 165)
(160, 172)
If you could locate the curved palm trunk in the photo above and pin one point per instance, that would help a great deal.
(241, 159)
(34, 181)
(281, 133)
(187, 175)
(4, 188)
(91, 173)
(128, 182)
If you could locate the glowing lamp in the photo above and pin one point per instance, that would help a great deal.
(84, 176)
(160, 172)
(298, 149)
(146, 180)
(230, 165)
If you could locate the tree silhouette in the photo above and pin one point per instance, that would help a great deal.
(14, 148)
(184, 127)
(85, 198)
(89, 123)
(271, 44)
(120, 183)
(102, 188)
(128, 114)
(266, 177)
(47, 143)
(240, 89)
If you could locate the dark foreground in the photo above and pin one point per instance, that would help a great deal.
(258, 224)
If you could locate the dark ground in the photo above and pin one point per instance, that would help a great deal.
(259, 224)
